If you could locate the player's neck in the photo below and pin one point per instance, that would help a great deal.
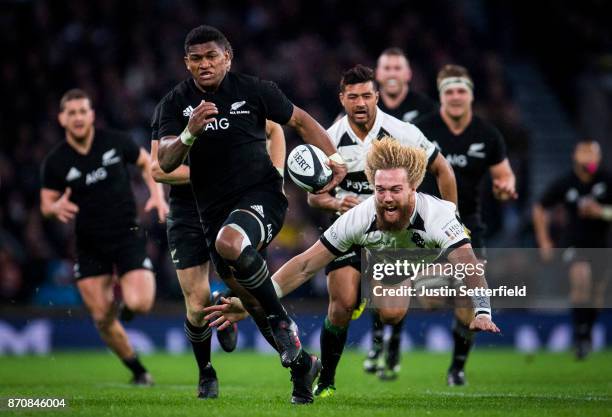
(459, 124)
(81, 146)
(394, 101)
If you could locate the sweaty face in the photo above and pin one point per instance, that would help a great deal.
(393, 195)
(392, 73)
(587, 157)
(208, 63)
(456, 102)
(77, 118)
(359, 102)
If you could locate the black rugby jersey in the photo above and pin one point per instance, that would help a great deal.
(415, 105)
(471, 154)
(180, 194)
(568, 190)
(229, 157)
(100, 182)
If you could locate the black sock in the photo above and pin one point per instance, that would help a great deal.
(393, 352)
(593, 313)
(333, 339)
(200, 342)
(583, 320)
(302, 364)
(464, 339)
(251, 271)
(378, 332)
(134, 365)
(266, 331)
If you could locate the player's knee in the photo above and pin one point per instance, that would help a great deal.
(340, 312)
(229, 243)
(138, 303)
(103, 319)
(391, 315)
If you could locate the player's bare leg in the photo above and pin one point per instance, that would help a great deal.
(97, 294)
(138, 290)
(343, 289)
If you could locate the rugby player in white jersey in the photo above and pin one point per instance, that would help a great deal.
(396, 216)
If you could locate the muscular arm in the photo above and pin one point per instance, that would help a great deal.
(301, 268)
(276, 145)
(177, 177)
(445, 177)
(504, 181)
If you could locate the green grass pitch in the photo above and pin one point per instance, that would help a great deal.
(501, 383)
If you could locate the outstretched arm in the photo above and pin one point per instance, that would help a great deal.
(290, 276)
(474, 280)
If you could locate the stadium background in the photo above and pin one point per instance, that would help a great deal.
(542, 87)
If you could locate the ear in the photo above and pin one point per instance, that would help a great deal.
(186, 61)
(61, 118)
(377, 94)
(341, 97)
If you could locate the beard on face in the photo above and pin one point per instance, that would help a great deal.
(403, 218)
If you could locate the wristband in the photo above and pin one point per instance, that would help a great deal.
(482, 304)
(186, 137)
(277, 288)
(336, 158)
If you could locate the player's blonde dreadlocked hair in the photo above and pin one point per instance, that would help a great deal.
(387, 153)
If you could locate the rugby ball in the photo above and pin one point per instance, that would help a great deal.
(307, 167)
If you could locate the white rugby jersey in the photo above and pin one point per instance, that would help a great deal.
(354, 150)
(433, 224)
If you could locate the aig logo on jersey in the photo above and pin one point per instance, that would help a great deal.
(96, 175)
(216, 124)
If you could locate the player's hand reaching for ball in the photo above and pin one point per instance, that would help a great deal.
(483, 323)
(201, 116)
(64, 209)
(225, 314)
(339, 171)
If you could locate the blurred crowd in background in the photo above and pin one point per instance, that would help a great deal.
(127, 55)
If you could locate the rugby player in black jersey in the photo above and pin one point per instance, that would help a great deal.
(218, 118)
(474, 148)
(393, 74)
(189, 255)
(586, 195)
(85, 178)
